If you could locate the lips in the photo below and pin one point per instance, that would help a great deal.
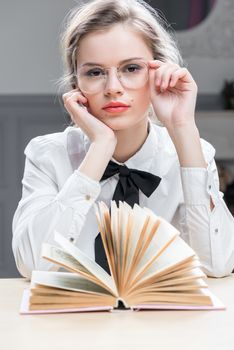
(115, 104)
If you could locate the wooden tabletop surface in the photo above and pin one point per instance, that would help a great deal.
(117, 330)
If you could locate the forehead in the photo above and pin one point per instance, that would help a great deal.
(112, 46)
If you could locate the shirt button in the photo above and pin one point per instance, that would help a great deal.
(87, 197)
(216, 230)
(71, 239)
(209, 187)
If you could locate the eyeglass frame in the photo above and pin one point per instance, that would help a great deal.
(117, 69)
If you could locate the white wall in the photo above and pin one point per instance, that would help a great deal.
(29, 50)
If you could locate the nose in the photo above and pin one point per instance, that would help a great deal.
(112, 84)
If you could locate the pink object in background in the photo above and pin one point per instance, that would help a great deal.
(198, 11)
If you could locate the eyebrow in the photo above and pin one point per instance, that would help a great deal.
(91, 64)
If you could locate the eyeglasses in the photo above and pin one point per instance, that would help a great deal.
(132, 75)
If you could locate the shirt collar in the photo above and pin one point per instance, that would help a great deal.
(141, 160)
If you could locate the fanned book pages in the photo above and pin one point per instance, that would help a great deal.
(151, 268)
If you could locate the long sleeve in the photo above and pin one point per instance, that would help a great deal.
(44, 206)
(209, 232)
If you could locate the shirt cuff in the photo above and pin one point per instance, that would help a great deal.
(198, 186)
(79, 191)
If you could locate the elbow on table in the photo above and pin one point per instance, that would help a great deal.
(24, 259)
(24, 270)
(25, 267)
(26, 262)
(218, 271)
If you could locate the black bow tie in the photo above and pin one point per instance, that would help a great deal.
(127, 189)
(130, 181)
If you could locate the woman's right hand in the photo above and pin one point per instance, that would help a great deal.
(96, 130)
(103, 139)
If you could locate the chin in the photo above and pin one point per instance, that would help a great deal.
(119, 122)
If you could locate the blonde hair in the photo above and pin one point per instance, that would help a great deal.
(98, 15)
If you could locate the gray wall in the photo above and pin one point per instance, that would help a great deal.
(29, 36)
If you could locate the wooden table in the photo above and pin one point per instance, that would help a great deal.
(161, 330)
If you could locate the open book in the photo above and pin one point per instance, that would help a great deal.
(151, 268)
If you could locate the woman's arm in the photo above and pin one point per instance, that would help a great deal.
(204, 219)
(44, 206)
(209, 233)
(187, 142)
(208, 226)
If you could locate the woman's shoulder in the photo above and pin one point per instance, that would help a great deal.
(54, 142)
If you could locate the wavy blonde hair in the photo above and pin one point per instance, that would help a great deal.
(98, 15)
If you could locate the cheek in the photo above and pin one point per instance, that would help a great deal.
(142, 99)
(93, 105)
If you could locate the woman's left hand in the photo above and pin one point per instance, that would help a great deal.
(173, 94)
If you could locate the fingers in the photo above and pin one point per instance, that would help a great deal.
(168, 74)
(75, 103)
(74, 95)
(164, 76)
(183, 75)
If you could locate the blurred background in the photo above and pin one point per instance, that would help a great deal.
(30, 64)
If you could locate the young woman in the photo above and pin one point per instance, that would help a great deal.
(122, 65)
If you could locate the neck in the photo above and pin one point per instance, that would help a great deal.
(129, 141)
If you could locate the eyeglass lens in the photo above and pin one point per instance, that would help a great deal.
(132, 75)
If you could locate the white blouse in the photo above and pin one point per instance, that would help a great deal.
(57, 196)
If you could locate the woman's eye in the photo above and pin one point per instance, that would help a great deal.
(94, 72)
(132, 68)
